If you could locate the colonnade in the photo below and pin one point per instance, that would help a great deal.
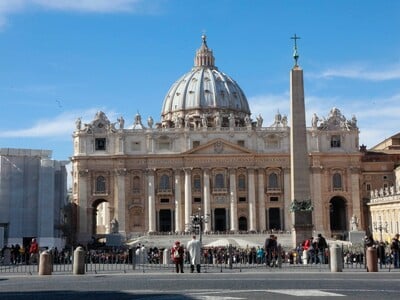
(255, 199)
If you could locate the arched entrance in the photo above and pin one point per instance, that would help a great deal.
(100, 217)
(243, 224)
(220, 219)
(338, 215)
(165, 220)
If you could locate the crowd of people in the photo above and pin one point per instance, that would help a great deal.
(310, 251)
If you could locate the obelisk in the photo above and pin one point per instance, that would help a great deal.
(299, 161)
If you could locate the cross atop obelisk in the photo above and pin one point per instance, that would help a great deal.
(295, 53)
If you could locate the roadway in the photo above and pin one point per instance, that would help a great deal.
(248, 284)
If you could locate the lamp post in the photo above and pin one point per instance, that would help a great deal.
(380, 226)
(197, 222)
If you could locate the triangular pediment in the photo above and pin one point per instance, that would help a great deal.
(219, 146)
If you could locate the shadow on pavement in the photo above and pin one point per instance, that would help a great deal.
(84, 295)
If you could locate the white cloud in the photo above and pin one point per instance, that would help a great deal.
(268, 105)
(8, 7)
(361, 72)
(103, 6)
(60, 126)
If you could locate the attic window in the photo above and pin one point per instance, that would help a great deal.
(196, 144)
(100, 144)
(335, 141)
(135, 146)
(240, 143)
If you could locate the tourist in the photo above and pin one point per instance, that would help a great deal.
(271, 250)
(321, 248)
(394, 248)
(177, 254)
(194, 249)
(34, 252)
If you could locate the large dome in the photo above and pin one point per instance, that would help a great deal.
(204, 92)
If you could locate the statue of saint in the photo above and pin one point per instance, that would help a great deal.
(217, 120)
(114, 225)
(353, 223)
(78, 123)
(259, 121)
(247, 120)
(121, 122)
(187, 119)
(204, 120)
(150, 122)
(314, 121)
(284, 120)
(231, 120)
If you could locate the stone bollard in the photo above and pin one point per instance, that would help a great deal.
(7, 256)
(167, 256)
(372, 259)
(279, 256)
(336, 260)
(305, 257)
(45, 263)
(79, 261)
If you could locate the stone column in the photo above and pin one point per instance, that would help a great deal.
(188, 197)
(83, 216)
(151, 201)
(119, 194)
(286, 199)
(261, 200)
(355, 196)
(233, 201)
(252, 200)
(207, 199)
(178, 202)
(320, 215)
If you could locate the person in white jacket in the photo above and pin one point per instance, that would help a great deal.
(194, 249)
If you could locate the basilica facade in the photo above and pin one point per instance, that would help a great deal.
(209, 155)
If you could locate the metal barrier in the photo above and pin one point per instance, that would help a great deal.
(213, 260)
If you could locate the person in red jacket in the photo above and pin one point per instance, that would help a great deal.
(177, 253)
(34, 251)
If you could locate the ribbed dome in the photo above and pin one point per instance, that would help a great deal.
(204, 91)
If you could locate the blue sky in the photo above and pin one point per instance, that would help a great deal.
(60, 60)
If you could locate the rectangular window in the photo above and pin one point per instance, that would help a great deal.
(196, 144)
(242, 199)
(163, 145)
(100, 144)
(135, 146)
(335, 141)
(240, 143)
(164, 200)
(197, 200)
(273, 199)
(368, 185)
